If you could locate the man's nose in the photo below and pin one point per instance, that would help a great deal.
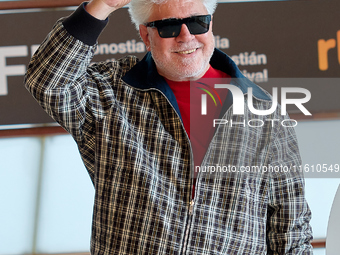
(185, 34)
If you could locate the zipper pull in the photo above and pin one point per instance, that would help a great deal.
(191, 208)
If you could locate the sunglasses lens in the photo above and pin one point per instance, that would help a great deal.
(199, 25)
(169, 28)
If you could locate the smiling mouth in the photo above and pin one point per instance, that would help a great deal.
(187, 51)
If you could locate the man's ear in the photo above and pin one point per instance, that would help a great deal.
(143, 32)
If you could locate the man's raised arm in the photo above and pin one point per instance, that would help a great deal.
(58, 75)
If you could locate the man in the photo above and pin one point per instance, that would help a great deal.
(131, 127)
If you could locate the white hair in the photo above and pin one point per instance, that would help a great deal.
(140, 10)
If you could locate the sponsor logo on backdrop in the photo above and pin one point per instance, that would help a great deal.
(327, 47)
(12, 70)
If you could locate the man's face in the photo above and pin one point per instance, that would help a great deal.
(185, 57)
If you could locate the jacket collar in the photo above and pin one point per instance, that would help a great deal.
(144, 76)
(223, 62)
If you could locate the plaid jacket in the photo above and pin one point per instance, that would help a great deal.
(126, 123)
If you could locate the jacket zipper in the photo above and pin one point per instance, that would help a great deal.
(192, 202)
(187, 231)
(191, 208)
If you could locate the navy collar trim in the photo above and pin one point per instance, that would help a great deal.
(144, 76)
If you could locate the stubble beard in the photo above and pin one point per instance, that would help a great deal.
(184, 69)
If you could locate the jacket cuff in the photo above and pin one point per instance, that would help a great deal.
(83, 26)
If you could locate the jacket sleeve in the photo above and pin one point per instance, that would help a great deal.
(58, 77)
(288, 228)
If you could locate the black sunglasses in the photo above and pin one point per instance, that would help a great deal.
(172, 27)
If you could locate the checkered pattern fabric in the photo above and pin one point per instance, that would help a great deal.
(138, 156)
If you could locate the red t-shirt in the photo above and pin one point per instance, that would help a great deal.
(200, 127)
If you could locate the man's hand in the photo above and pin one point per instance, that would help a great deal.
(101, 9)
